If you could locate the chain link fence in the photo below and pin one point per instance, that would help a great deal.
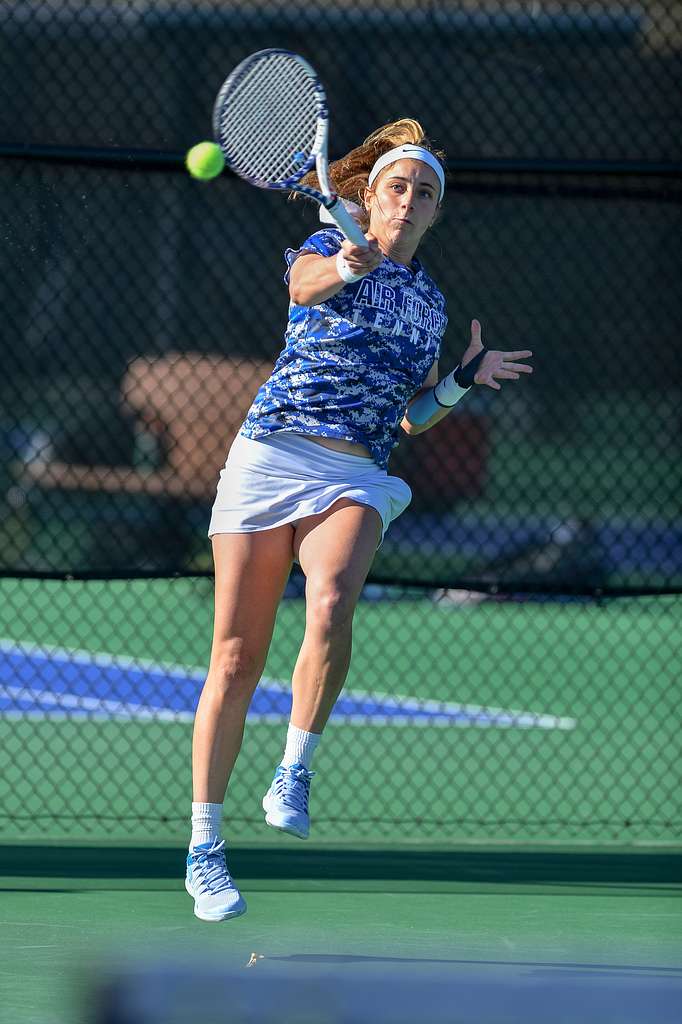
(517, 660)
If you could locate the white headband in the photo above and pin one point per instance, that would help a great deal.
(409, 152)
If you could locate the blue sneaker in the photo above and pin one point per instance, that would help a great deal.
(286, 802)
(216, 897)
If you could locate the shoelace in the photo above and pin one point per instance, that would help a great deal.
(213, 874)
(292, 787)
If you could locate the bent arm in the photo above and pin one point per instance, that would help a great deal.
(423, 398)
(315, 278)
(479, 366)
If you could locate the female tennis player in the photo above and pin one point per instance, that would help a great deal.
(306, 478)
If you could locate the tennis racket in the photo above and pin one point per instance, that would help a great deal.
(270, 119)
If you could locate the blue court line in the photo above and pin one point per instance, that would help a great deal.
(48, 682)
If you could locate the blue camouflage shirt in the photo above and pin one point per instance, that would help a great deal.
(351, 364)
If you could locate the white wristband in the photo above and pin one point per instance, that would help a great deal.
(447, 391)
(344, 271)
(444, 395)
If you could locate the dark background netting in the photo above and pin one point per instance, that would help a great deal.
(142, 309)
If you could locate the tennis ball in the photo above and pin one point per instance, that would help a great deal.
(205, 161)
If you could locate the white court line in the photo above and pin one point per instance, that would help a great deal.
(107, 709)
(101, 707)
(442, 712)
(100, 658)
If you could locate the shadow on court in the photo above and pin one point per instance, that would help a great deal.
(556, 867)
(578, 970)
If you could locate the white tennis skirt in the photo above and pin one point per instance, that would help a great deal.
(284, 477)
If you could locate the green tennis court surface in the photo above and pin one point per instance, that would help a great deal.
(609, 673)
(421, 874)
(528, 935)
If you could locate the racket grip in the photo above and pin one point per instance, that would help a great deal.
(347, 223)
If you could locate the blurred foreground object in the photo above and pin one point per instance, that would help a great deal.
(308, 989)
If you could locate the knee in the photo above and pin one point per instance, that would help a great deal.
(234, 670)
(330, 604)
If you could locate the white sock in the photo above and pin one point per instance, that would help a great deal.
(206, 821)
(300, 747)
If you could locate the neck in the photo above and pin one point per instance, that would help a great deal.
(398, 252)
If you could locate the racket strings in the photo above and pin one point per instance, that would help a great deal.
(268, 136)
(267, 121)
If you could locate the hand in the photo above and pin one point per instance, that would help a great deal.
(361, 260)
(494, 365)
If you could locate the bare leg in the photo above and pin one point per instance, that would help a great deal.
(251, 570)
(335, 550)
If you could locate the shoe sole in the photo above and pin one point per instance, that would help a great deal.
(290, 830)
(214, 920)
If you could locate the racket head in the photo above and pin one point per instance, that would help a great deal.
(270, 120)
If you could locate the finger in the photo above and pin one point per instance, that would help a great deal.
(362, 266)
(476, 333)
(525, 354)
(365, 256)
(505, 375)
(519, 367)
(351, 249)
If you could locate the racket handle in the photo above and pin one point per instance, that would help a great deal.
(347, 223)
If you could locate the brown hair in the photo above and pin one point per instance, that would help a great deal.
(348, 176)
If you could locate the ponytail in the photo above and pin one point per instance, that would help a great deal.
(348, 176)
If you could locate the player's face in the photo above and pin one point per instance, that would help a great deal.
(403, 202)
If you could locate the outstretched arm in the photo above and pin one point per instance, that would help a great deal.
(478, 366)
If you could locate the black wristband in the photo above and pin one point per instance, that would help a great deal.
(464, 376)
